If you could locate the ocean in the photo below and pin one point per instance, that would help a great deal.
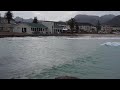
(47, 57)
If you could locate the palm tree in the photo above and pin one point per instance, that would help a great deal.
(8, 16)
(35, 20)
(71, 23)
(98, 26)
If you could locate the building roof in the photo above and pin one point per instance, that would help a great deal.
(36, 25)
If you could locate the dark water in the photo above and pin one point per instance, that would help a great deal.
(49, 57)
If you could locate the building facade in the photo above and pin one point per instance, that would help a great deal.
(49, 25)
(55, 27)
(60, 27)
(30, 28)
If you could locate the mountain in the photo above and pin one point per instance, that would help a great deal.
(93, 19)
(106, 18)
(115, 21)
(19, 19)
(86, 19)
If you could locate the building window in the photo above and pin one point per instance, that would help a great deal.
(43, 29)
(24, 29)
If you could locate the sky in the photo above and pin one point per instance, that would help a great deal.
(57, 15)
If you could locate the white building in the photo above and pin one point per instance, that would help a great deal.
(55, 27)
(49, 25)
(60, 27)
(30, 28)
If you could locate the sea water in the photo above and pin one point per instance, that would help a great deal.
(50, 57)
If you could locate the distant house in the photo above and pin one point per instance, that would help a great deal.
(116, 29)
(86, 27)
(106, 29)
(60, 27)
(30, 28)
(55, 27)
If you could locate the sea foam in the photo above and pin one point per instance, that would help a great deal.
(111, 44)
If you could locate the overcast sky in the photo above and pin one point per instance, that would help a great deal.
(57, 15)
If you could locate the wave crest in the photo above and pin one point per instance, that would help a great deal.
(111, 44)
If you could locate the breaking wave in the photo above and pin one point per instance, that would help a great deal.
(111, 44)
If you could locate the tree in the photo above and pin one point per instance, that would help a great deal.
(77, 27)
(71, 23)
(98, 26)
(9, 16)
(35, 20)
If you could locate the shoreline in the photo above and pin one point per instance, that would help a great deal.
(6, 34)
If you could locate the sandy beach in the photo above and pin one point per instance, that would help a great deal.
(13, 34)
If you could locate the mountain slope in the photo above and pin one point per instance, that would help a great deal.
(19, 19)
(93, 19)
(87, 19)
(115, 21)
(106, 18)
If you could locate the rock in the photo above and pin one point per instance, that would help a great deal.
(66, 77)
